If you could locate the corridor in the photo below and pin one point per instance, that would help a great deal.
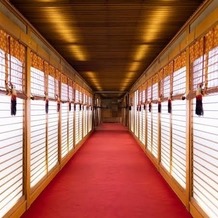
(109, 177)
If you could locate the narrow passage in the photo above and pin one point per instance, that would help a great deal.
(109, 177)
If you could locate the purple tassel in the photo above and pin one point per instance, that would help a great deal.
(46, 106)
(149, 107)
(169, 105)
(159, 106)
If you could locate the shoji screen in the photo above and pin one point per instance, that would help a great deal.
(143, 111)
(52, 136)
(90, 119)
(132, 111)
(11, 126)
(71, 117)
(38, 122)
(136, 114)
(155, 130)
(205, 129)
(149, 122)
(76, 107)
(84, 112)
(205, 152)
(84, 115)
(90, 114)
(179, 122)
(64, 116)
(165, 121)
(140, 114)
(80, 117)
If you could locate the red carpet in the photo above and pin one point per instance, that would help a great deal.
(109, 177)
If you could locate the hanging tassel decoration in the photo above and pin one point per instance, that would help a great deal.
(159, 105)
(183, 97)
(58, 103)
(199, 105)
(149, 106)
(69, 105)
(46, 103)
(11, 91)
(170, 104)
(13, 100)
(32, 97)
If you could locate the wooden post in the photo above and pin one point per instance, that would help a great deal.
(189, 162)
(27, 129)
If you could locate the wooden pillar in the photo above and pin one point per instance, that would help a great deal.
(189, 162)
(27, 129)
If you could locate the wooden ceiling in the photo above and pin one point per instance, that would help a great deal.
(108, 42)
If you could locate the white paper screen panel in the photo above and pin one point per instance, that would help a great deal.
(52, 126)
(64, 129)
(178, 170)
(80, 124)
(16, 71)
(51, 87)
(165, 136)
(11, 154)
(213, 68)
(2, 69)
(143, 109)
(71, 128)
(205, 138)
(64, 120)
(71, 120)
(197, 69)
(38, 142)
(84, 121)
(165, 127)
(136, 113)
(90, 120)
(166, 92)
(154, 144)
(140, 124)
(205, 156)
(37, 82)
(143, 125)
(52, 135)
(155, 130)
(11, 135)
(179, 141)
(77, 124)
(132, 117)
(179, 81)
(149, 123)
(37, 129)
(87, 120)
